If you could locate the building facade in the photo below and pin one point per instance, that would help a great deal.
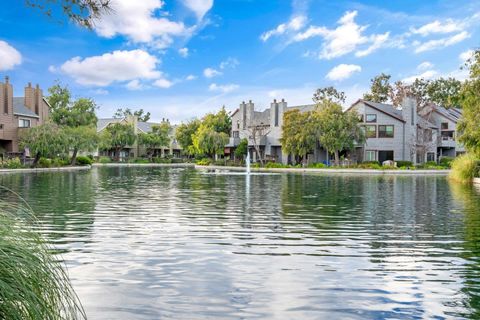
(137, 150)
(397, 134)
(18, 114)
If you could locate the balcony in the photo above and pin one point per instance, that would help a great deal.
(233, 142)
(448, 142)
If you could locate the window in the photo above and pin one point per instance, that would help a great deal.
(23, 123)
(235, 134)
(1, 126)
(371, 131)
(428, 135)
(444, 125)
(371, 118)
(370, 155)
(430, 156)
(238, 124)
(385, 131)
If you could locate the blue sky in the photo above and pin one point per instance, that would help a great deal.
(182, 58)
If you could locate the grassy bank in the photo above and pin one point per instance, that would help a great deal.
(33, 285)
(465, 168)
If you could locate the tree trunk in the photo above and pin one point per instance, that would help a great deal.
(74, 157)
(35, 161)
(337, 158)
(117, 154)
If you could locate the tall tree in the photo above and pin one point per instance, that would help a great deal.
(469, 126)
(117, 136)
(337, 130)
(242, 149)
(82, 12)
(140, 114)
(380, 89)
(157, 138)
(330, 94)
(77, 117)
(184, 135)
(209, 142)
(299, 133)
(43, 141)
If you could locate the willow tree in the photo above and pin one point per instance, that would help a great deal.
(117, 136)
(84, 138)
(157, 138)
(45, 140)
(207, 141)
(184, 135)
(337, 130)
(469, 125)
(299, 133)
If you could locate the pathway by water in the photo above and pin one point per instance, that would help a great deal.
(165, 243)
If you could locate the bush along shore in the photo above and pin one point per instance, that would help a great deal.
(34, 285)
(17, 163)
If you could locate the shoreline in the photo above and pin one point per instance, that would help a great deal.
(332, 171)
(146, 165)
(32, 170)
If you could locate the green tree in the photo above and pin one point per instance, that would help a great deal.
(469, 125)
(329, 93)
(219, 122)
(299, 133)
(117, 136)
(82, 12)
(77, 117)
(207, 141)
(380, 89)
(157, 138)
(84, 138)
(184, 135)
(337, 130)
(43, 141)
(242, 149)
(140, 114)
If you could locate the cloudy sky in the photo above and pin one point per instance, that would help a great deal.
(181, 58)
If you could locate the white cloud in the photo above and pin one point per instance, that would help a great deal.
(378, 41)
(163, 83)
(101, 92)
(135, 84)
(199, 7)
(427, 75)
(183, 52)
(9, 56)
(426, 65)
(437, 26)
(210, 73)
(346, 38)
(295, 24)
(464, 56)
(223, 88)
(110, 67)
(441, 43)
(137, 21)
(343, 71)
(229, 63)
(191, 77)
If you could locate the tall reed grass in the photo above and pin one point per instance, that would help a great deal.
(33, 284)
(465, 168)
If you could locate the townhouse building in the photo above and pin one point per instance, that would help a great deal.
(137, 150)
(392, 133)
(18, 114)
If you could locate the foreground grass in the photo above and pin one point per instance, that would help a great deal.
(33, 285)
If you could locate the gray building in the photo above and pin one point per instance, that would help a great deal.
(398, 134)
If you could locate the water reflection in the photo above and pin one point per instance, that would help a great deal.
(174, 243)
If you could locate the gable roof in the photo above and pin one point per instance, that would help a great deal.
(387, 109)
(453, 114)
(20, 109)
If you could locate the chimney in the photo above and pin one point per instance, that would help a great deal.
(6, 97)
(38, 99)
(30, 97)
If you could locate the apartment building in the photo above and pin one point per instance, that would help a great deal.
(18, 114)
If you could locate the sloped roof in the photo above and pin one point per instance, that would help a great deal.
(20, 109)
(303, 108)
(453, 114)
(386, 108)
(103, 123)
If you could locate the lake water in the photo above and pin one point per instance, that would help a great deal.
(152, 243)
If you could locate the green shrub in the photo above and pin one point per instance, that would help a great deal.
(404, 164)
(138, 160)
(446, 161)
(162, 160)
(255, 165)
(33, 283)
(219, 162)
(275, 165)
(177, 160)
(465, 168)
(83, 161)
(369, 165)
(44, 163)
(317, 165)
(104, 160)
(203, 162)
(59, 162)
(14, 163)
